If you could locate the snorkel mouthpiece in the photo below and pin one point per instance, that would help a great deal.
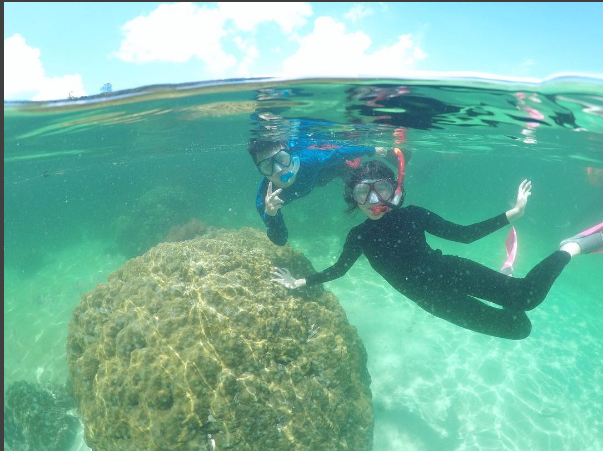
(295, 167)
(378, 209)
(287, 176)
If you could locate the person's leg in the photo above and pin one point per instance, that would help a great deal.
(470, 313)
(589, 241)
(471, 278)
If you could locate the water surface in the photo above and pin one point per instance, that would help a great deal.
(76, 171)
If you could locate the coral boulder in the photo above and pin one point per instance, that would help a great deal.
(191, 346)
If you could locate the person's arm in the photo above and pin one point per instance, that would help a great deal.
(349, 255)
(276, 230)
(438, 226)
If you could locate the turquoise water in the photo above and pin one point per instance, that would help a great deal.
(90, 183)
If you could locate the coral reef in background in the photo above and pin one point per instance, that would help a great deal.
(151, 218)
(191, 346)
(37, 417)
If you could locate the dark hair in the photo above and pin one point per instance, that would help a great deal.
(371, 170)
(257, 147)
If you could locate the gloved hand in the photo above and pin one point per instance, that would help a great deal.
(285, 279)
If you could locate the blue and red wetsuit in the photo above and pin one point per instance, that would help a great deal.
(316, 162)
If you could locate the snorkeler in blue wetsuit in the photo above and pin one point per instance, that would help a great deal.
(292, 171)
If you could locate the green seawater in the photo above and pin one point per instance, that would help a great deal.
(76, 171)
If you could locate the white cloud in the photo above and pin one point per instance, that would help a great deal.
(183, 31)
(247, 16)
(23, 69)
(60, 88)
(419, 54)
(177, 33)
(24, 74)
(358, 12)
(251, 53)
(396, 58)
(330, 51)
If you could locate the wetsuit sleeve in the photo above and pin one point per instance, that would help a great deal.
(276, 230)
(438, 226)
(351, 251)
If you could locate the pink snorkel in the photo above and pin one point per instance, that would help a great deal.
(378, 209)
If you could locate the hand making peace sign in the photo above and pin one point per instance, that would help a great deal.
(273, 202)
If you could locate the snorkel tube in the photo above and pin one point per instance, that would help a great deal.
(398, 193)
(294, 168)
(401, 169)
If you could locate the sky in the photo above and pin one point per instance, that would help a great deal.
(54, 50)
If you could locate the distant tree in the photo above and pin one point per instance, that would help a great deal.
(106, 88)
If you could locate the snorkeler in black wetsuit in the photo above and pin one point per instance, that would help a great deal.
(393, 240)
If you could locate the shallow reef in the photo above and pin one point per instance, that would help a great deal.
(38, 417)
(191, 346)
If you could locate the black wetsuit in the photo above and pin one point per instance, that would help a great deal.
(447, 286)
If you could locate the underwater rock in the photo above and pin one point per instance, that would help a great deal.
(38, 417)
(191, 346)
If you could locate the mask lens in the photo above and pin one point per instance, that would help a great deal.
(384, 189)
(265, 167)
(274, 163)
(283, 158)
(361, 192)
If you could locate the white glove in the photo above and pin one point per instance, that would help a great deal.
(285, 279)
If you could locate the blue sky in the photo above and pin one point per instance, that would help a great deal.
(53, 49)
